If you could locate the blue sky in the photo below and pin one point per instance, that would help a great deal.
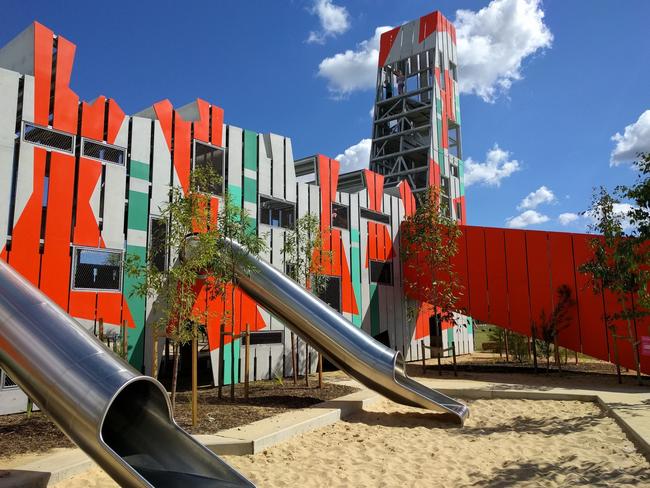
(550, 83)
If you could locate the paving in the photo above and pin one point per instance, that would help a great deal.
(630, 408)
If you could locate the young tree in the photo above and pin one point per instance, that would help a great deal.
(619, 265)
(305, 258)
(428, 244)
(550, 326)
(197, 262)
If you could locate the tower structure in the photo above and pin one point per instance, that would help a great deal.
(416, 134)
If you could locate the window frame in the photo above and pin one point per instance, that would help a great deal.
(97, 249)
(385, 265)
(379, 217)
(150, 238)
(278, 200)
(50, 129)
(102, 143)
(347, 213)
(223, 166)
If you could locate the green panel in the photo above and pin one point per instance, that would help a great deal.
(450, 336)
(470, 326)
(441, 161)
(137, 307)
(235, 195)
(438, 106)
(138, 211)
(227, 356)
(250, 150)
(250, 190)
(439, 129)
(457, 109)
(355, 274)
(139, 170)
(374, 310)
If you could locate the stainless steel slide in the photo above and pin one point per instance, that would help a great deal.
(352, 350)
(120, 418)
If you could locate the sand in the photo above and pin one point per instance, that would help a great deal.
(504, 443)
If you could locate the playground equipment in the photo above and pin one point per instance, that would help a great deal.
(349, 348)
(120, 418)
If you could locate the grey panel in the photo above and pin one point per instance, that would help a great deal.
(8, 103)
(264, 165)
(141, 140)
(189, 112)
(289, 172)
(18, 54)
(276, 253)
(235, 163)
(407, 32)
(25, 176)
(277, 166)
(303, 200)
(114, 191)
(161, 170)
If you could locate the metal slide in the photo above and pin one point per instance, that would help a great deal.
(119, 417)
(352, 350)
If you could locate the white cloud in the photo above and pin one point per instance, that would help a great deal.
(536, 198)
(567, 218)
(620, 209)
(496, 167)
(334, 20)
(493, 42)
(353, 70)
(355, 157)
(524, 219)
(635, 139)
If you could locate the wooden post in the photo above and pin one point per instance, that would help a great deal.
(618, 366)
(505, 341)
(307, 364)
(576, 353)
(533, 333)
(154, 355)
(101, 329)
(424, 361)
(294, 362)
(320, 371)
(439, 364)
(453, 353)
(247, 360)
(125, 340)
(232, 362)
(220, 375)
(195, 374)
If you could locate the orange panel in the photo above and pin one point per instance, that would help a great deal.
(83, 304)
(65, 100)
(563, 273)
(92, 119)
(115, 119)
(55, 266)
(202, 126)
(496, 277)
(519, 299)
(109, 307)
(182, 142)
(217, 126)
(477, 273)
(43, 46)
(459, 262)
(539, 274)
(593, 334)
(86, 229)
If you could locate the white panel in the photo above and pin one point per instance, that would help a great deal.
(25, 176)
(140, 139)
(276, 252)
(398, 319)
(8, 103)
(277, 166)
(113, 219)
(314, 200)
(289, 172)
(161, 170)
(365, 276)
(264, 165)
(264, 231)
(235, 163)
(303, 200)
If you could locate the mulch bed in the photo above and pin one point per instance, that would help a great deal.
(38, 434)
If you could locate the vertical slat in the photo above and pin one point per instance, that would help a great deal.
(235, 165)
(477, 273)
(277, 167)
(519, 299)
(562, 273)
(289, 172)
(497, 277)
(8, 103)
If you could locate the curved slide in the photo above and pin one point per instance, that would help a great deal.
(119, 417)
(352, 350)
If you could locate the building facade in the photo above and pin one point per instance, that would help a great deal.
(82, 185)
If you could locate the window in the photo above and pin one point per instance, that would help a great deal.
(453, 71)
(381, 272)
(459, 211)
(340, 216)
(158, 243)
(103, 152)
(453, 135)
(331, 293)
(6, 382)
(210, 158)
(97, 269)
(376, 216)
(49, 138)
(442, 73)
(267, 337)
(444, 186)
(454, 171)
(277, 213)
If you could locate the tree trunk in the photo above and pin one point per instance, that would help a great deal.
(195, 375)
(632, 339)
(154, 359)
(177, 353)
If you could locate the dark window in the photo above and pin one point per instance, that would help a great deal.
(376, 216)
(435, 331)
(267, 337)
(453, 70)
(158, 243)
(103, 152)
(453, 133)
(210, 158)
(49, 138)
(381, 272)
(277, 213)
(331, 293)
(459, 211)
(454, 171)
(444, 186)
(98, 269)
(442, 73)
(5, 381)
(340, 216)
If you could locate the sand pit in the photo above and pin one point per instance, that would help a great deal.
(504, 443)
